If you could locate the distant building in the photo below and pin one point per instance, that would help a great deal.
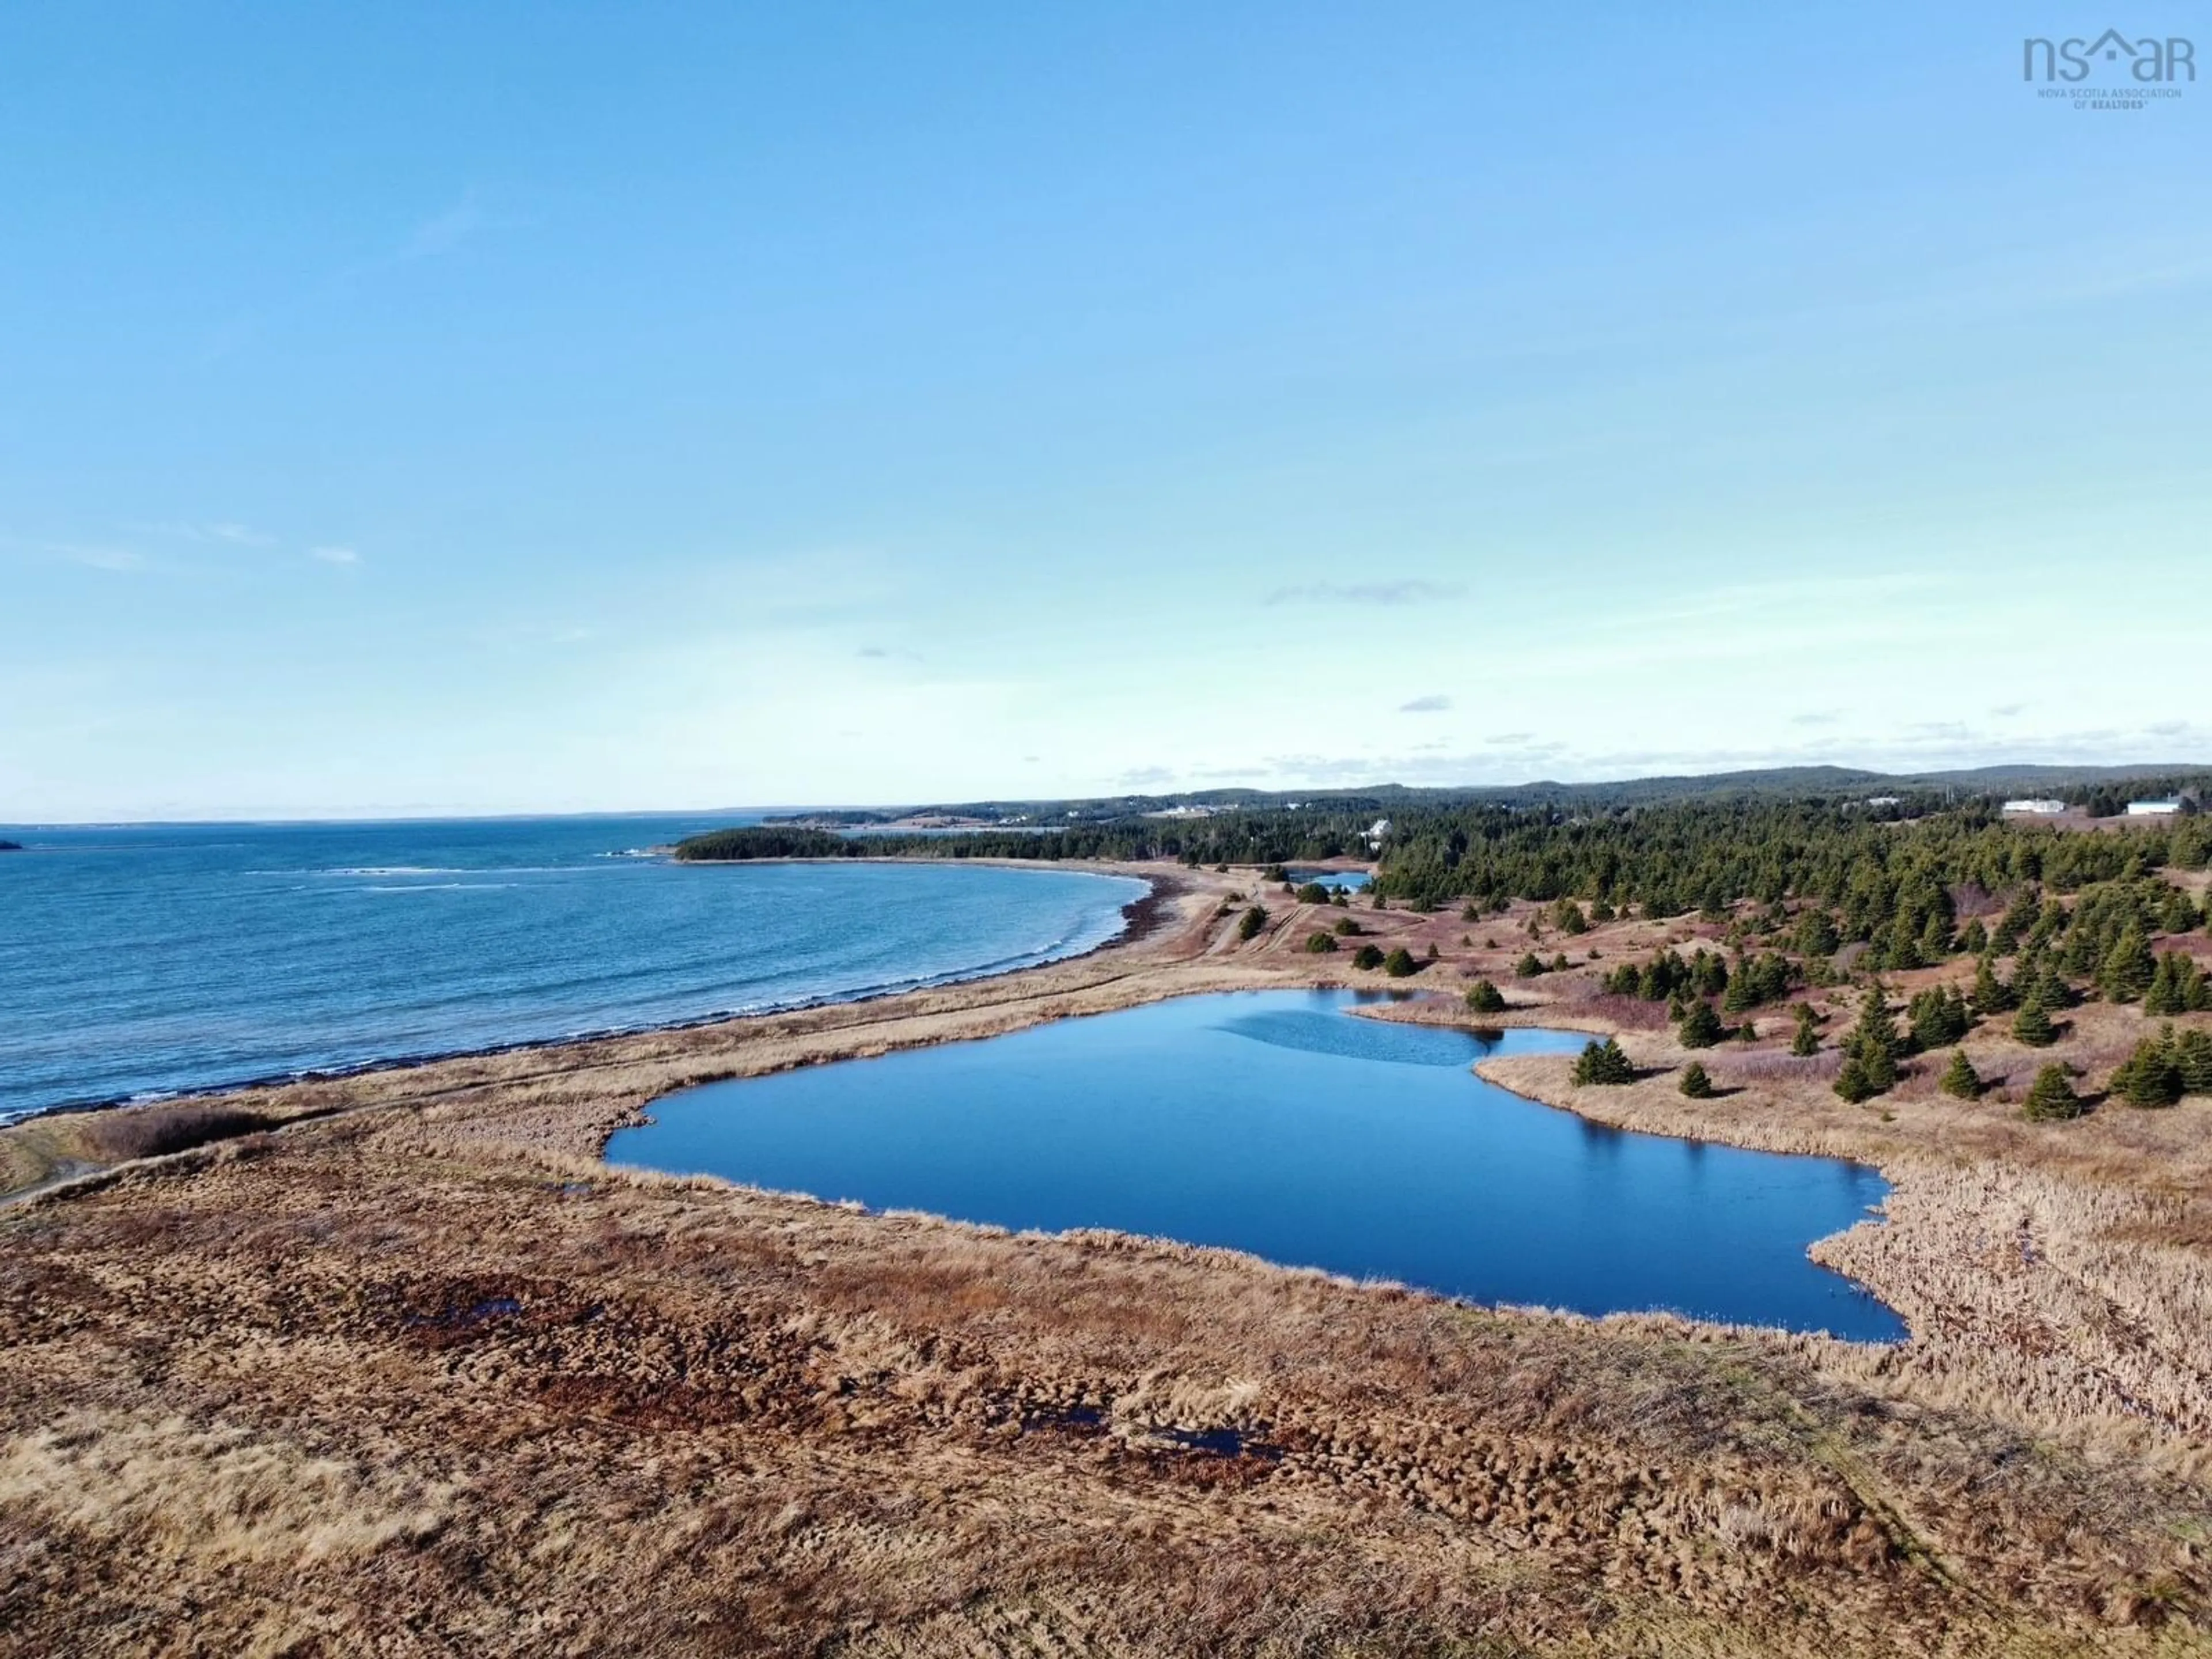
(1376, 830)
(2152, 809)
(1882, 800)
(2044, 809)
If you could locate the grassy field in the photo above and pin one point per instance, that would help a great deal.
(407, 1370)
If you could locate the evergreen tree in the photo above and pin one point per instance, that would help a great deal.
(1399, 963)
(2178, 987)
(1368, 957)
(1939, 1018)
(1960, 1077)
(1974, 938)
(2051, 1097)
(1936, 938)
(1701, 1026)
(1616, 1066)
(2032, 1026)
(2193, 1055)
(1603, 1062)
(1991, 995)
(1254, 919)
(1485, 998)
(1807, 1041)
(2163, 996)
(1816, 934)
(1852, 1082)
(1320, 943)
(1529, 967)
(1873, 1041)
(1709, 975)
(1742, 994)
(2152, 1075)
(1876, 1026)
(2050, 990)
(2127, 971)
(1695, 1083)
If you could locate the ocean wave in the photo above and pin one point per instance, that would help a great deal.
(654, 961)
(443, 887)
(394, 870)
(385, 871)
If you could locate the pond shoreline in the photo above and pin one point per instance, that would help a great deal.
(427, 1281)
(1923, 1258)
(1357, 1147)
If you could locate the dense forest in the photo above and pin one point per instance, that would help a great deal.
(1891, 867)
(1276, 836)
(1869, 868)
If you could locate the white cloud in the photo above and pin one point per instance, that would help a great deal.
(443, 232)
(1406, 591)
(104, 558)
(334, 554)
(222, 532)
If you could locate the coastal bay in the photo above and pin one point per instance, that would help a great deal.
(160, 959)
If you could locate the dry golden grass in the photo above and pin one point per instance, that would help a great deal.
(417, 1374)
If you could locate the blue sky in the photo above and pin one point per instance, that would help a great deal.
(525, 407)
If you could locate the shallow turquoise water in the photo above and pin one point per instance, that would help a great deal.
(1281, 1123)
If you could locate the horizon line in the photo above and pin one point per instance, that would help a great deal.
(2111, 771)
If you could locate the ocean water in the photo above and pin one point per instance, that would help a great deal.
(139, 960)
(1281, 1123)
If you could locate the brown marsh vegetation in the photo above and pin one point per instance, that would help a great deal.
(414, 1373)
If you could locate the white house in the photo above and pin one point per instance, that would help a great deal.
(2040, 808)
(1376, 832)
(2152, 809)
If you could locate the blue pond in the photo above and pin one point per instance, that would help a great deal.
(1281, 1123)
(1347, 881)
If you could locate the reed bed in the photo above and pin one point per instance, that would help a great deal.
(394, 1363)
